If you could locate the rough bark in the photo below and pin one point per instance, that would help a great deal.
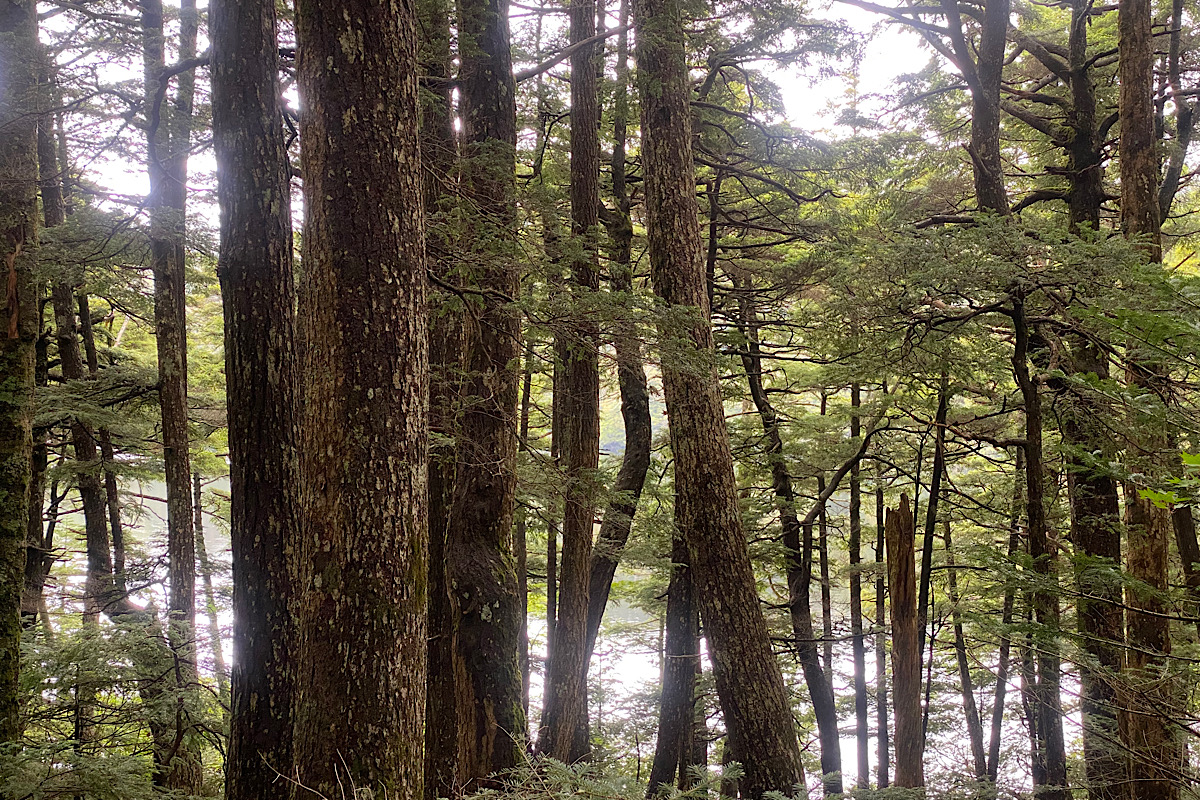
(479, 539)
(564, 719)
(748, 678)
(798, 545)
(1147, 732)
(361, 664)
(681, 655)
(983, 79)
(1096, 534)
(261, 380)
(900, 536)
(19, 54)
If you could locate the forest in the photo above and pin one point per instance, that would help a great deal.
(614, 399)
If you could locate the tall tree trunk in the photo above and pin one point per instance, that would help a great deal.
(798, 546)
(19, 56)
(262, 385)
(1042, 551)
(1096, 534)
(631, 373)
(564, 719)
(966, 685)
(1147, 732)
(900, 535)
(168, 140)
(749, 682)
(676, 709)
(359, 713)
(479, 540)
(861, 719)
(883, 780)
(446, 364)
(39, 556)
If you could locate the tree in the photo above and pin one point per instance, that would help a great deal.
(19, 56)
(900, 536)
(748, 678)
(564, 719)
(360, 701)
(479, 538)
(255, 268)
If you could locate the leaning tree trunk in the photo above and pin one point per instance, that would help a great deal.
(564, 733)
(255, 269)
(749, 682)
(798, 547)
(631, 373)
(19, 55)
(361, 664)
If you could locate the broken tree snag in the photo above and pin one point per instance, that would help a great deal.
(900, 537)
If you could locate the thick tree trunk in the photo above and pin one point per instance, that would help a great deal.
(798, 546)
(676, 708)
(1147, 732)
(19, 56)
(1084, 152)
(564, 719)
(1096, 534)
(990, 191)
(359, 713)
(261, 380)
(748, 678)
(900, 535)
(479, 540)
